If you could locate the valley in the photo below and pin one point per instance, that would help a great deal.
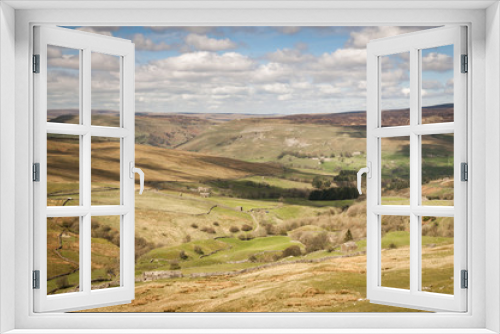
(249, 214)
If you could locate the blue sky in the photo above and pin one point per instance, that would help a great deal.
(262, 70)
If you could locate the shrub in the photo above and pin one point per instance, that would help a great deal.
(246, 227)
(252, 258)
(193, 225)
(216, 223)
(187, 239)
(292, 251)
(183, 255)
(198, 250)
(175, 265)
(142, 246)
(317, 242)
(392, 246)
(348, 236)
(234, 229)
(208, 229)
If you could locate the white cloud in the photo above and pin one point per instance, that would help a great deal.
(342, 58)
(146, 44)
(276, 88)
(438, 62)
(431, 84)
(205, 43)
(204, 79)
(289, 56)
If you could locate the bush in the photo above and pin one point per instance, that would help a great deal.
(392, 246)
(234, 229)
(292, 251)
(193, 225)
(187, 239)
(348, 236)
(216, 223)
(246, 228)
(175, 265)
(208, 230)
(244, 237)
(198, 250)
(142, 246)
(317, 242)
(252, 258)
(183, 255)
(321, 182)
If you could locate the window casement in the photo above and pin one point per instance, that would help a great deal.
(83, 46)
(412, 48)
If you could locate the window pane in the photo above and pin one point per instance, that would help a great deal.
(105, 232)
(395, 252)
(437, 170)
(63, 170)
(395, 89)
(437, 254)
(105, 90)
(437, 84)
(63, 255)
(105, 171)
(395, 171)
(63, 85)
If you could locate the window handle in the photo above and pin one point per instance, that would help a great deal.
(134, 170)
(368, 171)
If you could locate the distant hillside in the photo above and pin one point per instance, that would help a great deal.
(161, 130)
(433, 114)
(168, 130)
(271, 139)
(159, 164)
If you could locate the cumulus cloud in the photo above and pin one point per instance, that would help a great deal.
(212, 75)
(437, 62)
(289, 56)
(205, 43)
(99, 61)
(146, 44)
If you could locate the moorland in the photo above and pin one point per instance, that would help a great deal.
(250, 213)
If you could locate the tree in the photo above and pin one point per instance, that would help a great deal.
(317, 182)
(292, 251)
(198, 250)
(183, 255)
(348, 236)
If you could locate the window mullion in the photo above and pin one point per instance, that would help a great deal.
(85, 167)
(414, 172)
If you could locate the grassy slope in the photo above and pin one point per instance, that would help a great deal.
(166, 218)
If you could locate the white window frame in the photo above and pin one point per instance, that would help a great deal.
(86, 43)
(413, 43)
(483, 102)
